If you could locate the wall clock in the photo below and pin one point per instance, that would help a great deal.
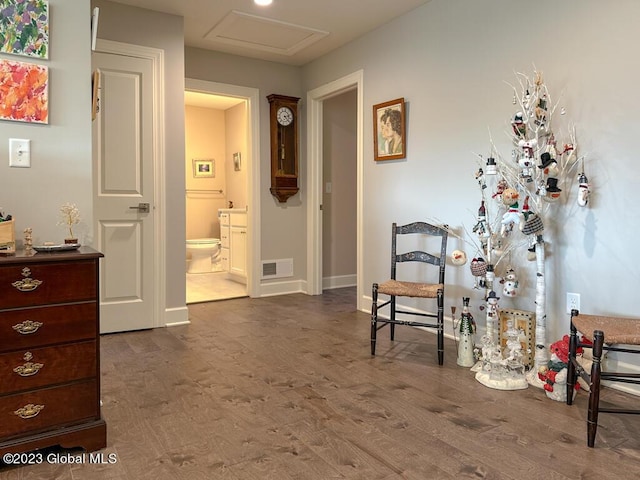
(284, 146)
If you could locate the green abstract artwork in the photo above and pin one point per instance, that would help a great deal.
(24, 27)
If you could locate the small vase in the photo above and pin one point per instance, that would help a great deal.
(68, 241)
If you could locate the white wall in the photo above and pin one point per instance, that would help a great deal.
(60, 151)
(450, 59)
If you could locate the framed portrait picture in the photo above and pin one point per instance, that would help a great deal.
(389, 137)
(204, 168)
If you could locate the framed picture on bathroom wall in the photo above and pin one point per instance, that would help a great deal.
(204, 168)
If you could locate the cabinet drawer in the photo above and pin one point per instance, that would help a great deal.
(39, 367)
(49, 407)
(36, 327)
(40, 284)
(238, 219)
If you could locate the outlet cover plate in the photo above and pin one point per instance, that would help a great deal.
(573, 301)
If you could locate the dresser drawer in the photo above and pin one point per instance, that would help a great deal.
(49, 407)
(36, 327)
(41, 284)
(39, 367)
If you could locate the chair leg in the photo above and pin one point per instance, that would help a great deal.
(440, 327)
(594, 397)
(374, 317)
(572, 374)
(392, 313)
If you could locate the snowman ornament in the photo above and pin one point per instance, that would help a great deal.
(510, 283)
(583, 190)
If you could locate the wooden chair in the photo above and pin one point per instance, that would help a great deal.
(397, 288)
(603, 332)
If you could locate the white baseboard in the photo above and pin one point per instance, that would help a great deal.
(339, 281)
(176, 316)
(282, 288)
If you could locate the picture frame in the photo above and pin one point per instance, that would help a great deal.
(236, 161)
(204, 168)
(24, 28)
(525, 322)
(389, 127)
(24, 90)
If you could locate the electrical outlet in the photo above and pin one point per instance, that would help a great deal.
(573, 302)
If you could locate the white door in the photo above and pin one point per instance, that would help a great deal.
(123, 178)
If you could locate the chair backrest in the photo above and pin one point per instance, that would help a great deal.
(419, 255)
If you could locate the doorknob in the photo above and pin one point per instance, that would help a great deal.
(141, 207)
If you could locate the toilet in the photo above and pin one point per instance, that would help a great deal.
(203, 254)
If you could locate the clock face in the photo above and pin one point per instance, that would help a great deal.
(284, 116)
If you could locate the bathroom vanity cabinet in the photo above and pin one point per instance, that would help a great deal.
(233, 239)
(50, 351)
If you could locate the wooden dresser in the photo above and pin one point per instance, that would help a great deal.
(50, 351)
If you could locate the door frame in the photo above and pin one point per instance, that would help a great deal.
(252, 96)
(315, 100)
(156, 56)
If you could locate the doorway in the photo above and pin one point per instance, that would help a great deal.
(221, 129)
(339, 171)
(315, 187)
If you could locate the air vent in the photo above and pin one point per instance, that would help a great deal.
(277, 268)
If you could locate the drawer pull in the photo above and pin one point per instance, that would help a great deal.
(29, 368)
(29, 411)
(27, 284)
(27, 327)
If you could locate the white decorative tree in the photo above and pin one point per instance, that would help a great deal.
(520, 200)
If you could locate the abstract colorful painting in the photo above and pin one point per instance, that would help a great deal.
(24, 93)
(24, 27)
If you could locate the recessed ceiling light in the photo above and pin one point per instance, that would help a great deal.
(263, 3)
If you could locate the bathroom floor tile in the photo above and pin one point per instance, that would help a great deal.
(207, 287)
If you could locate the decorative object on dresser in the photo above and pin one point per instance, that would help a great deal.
(69, 216)
(50, 351)
(284, 146)
(7, 235)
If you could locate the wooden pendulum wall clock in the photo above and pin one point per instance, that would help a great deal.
(284, 146)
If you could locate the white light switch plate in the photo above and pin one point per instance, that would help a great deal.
(19, 152)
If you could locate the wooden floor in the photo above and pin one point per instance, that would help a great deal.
(285, 388)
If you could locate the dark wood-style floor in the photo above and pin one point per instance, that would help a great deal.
(285, 388)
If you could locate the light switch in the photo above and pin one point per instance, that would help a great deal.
(327, 187)
(19, 152)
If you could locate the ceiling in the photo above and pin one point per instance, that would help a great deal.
(293, 32)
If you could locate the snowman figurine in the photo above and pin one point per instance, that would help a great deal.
(492, 305)
(526, 159)
(466, 357)
(510, 283)
(510, 198)
(480, 227)
(583, 190)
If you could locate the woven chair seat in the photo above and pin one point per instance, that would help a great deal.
(616, 330)
(410, 289)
